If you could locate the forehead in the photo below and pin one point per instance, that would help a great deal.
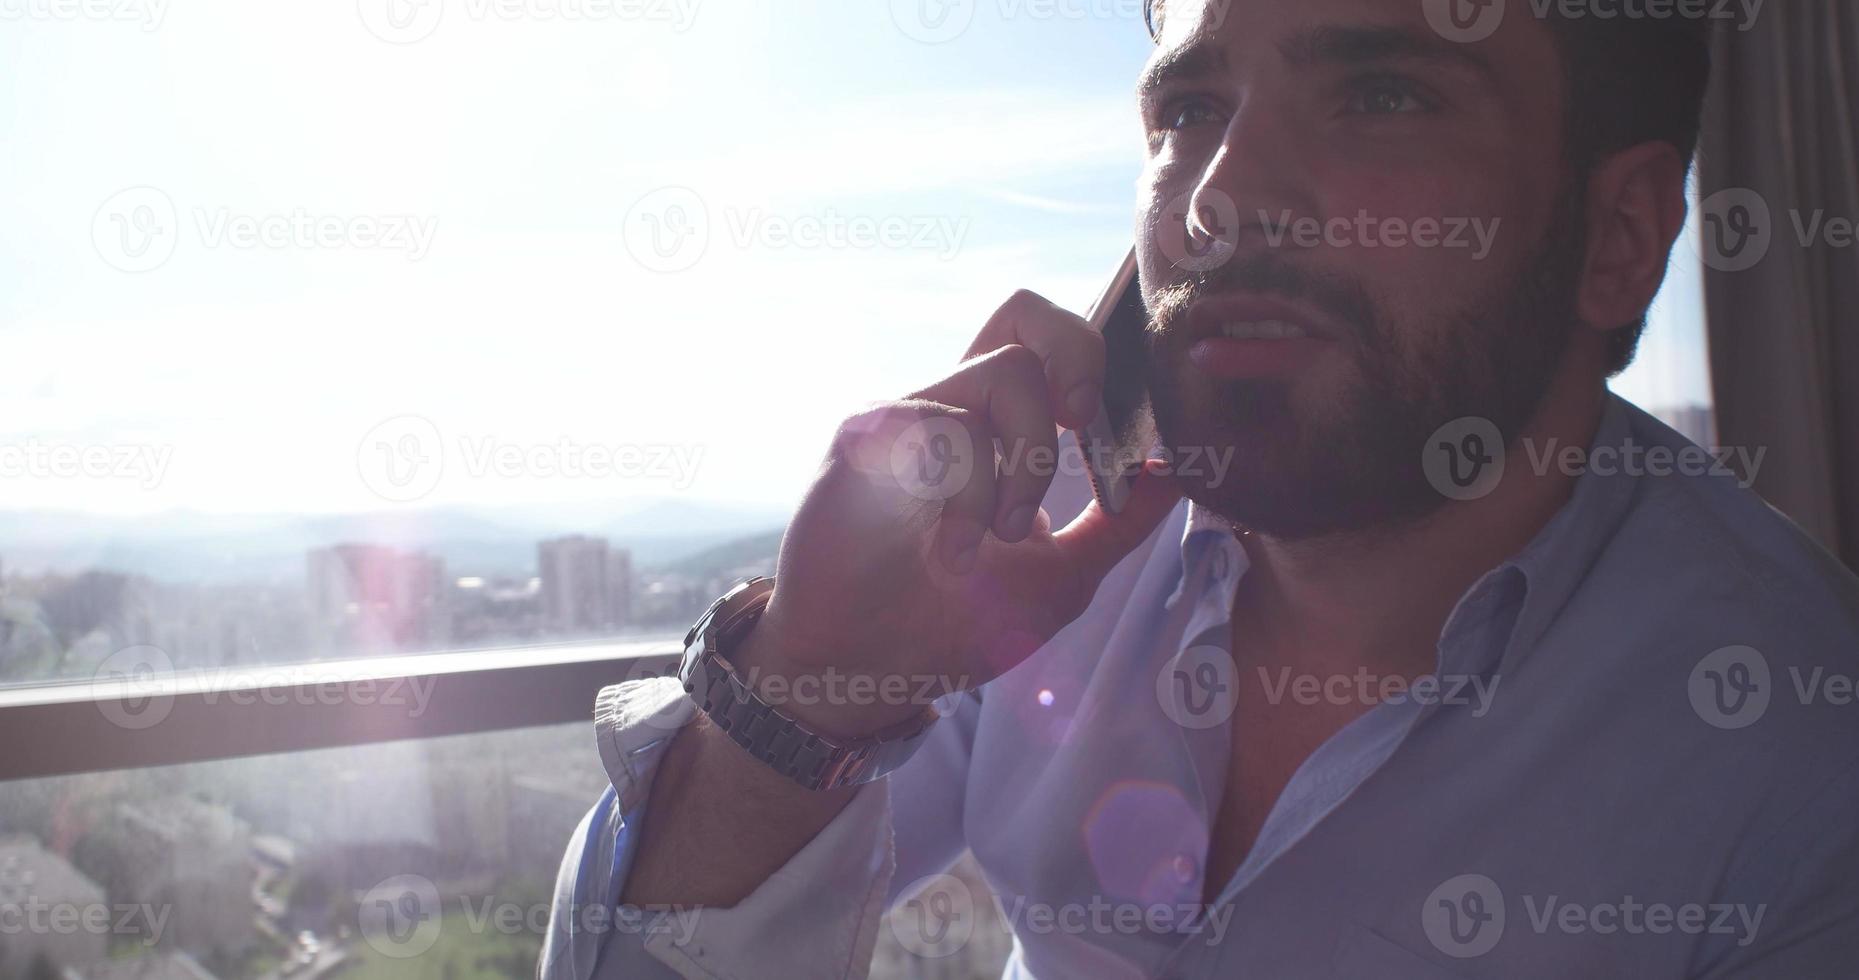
(1510, 42)
(1178, 19)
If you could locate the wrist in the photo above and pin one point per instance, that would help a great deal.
(831, 700)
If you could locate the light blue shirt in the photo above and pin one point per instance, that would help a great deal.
(1638, 756)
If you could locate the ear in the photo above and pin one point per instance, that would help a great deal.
(1636, 208)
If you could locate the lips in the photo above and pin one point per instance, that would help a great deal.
(1262, 330)
(1249, 335)
(1257, 316)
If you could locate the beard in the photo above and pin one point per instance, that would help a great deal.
(1308, 465)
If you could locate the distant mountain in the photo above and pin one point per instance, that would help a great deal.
(193, 547)
(725, 558)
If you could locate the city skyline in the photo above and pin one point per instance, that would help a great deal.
(357, 599)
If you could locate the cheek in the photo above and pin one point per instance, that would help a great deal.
(1419, 242)
(1175, 171)
(1173, 245)
(1161, 207)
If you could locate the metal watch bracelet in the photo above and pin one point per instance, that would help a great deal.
(783, 743)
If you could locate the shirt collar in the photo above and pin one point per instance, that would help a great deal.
(1555, 562)
(1208, 539)
(1204, 526)
(1542, 576)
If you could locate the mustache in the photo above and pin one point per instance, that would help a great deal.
(1343, 298)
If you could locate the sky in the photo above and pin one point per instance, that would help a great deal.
(336, 256)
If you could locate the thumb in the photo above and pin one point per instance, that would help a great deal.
(1098, 539)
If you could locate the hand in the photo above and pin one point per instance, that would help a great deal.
(920, 557)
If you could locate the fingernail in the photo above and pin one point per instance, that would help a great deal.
(1083, 402)
(1020, 522)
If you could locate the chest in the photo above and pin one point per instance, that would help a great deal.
(1273, 734)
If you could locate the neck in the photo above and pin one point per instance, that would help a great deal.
(1378, 599)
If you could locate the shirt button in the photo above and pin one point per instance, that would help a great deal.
(1184, 868)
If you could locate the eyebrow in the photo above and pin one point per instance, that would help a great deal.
(1198, 58)
(1329, 44)
(1351, 45)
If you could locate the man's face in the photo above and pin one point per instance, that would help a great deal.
(1396, 198)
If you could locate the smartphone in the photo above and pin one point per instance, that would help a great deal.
(1117, 442)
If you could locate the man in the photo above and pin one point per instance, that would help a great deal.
(1432, 679)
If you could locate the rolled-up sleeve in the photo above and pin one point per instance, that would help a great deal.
(817, 916)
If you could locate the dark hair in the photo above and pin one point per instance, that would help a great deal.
(1631, 80)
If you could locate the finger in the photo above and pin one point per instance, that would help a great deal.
(925, 458)
(1097, 539)
(911, 452)
(1008, 388)
(1070, 351)
(968, 507)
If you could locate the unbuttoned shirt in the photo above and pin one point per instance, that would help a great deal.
(1638, 756)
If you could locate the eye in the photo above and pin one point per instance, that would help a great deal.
(1186, 112)
(1388, 95)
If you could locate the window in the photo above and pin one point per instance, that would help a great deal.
(343, 341)
(330, 337)
(1671, 376)
(382, 378)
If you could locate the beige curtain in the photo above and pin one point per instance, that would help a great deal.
(1784, 324)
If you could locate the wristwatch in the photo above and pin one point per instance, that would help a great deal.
(816, 761)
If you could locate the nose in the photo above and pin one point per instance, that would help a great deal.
(1254, 181)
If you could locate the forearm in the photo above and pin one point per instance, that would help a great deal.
(718, 821)
(759, 879)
